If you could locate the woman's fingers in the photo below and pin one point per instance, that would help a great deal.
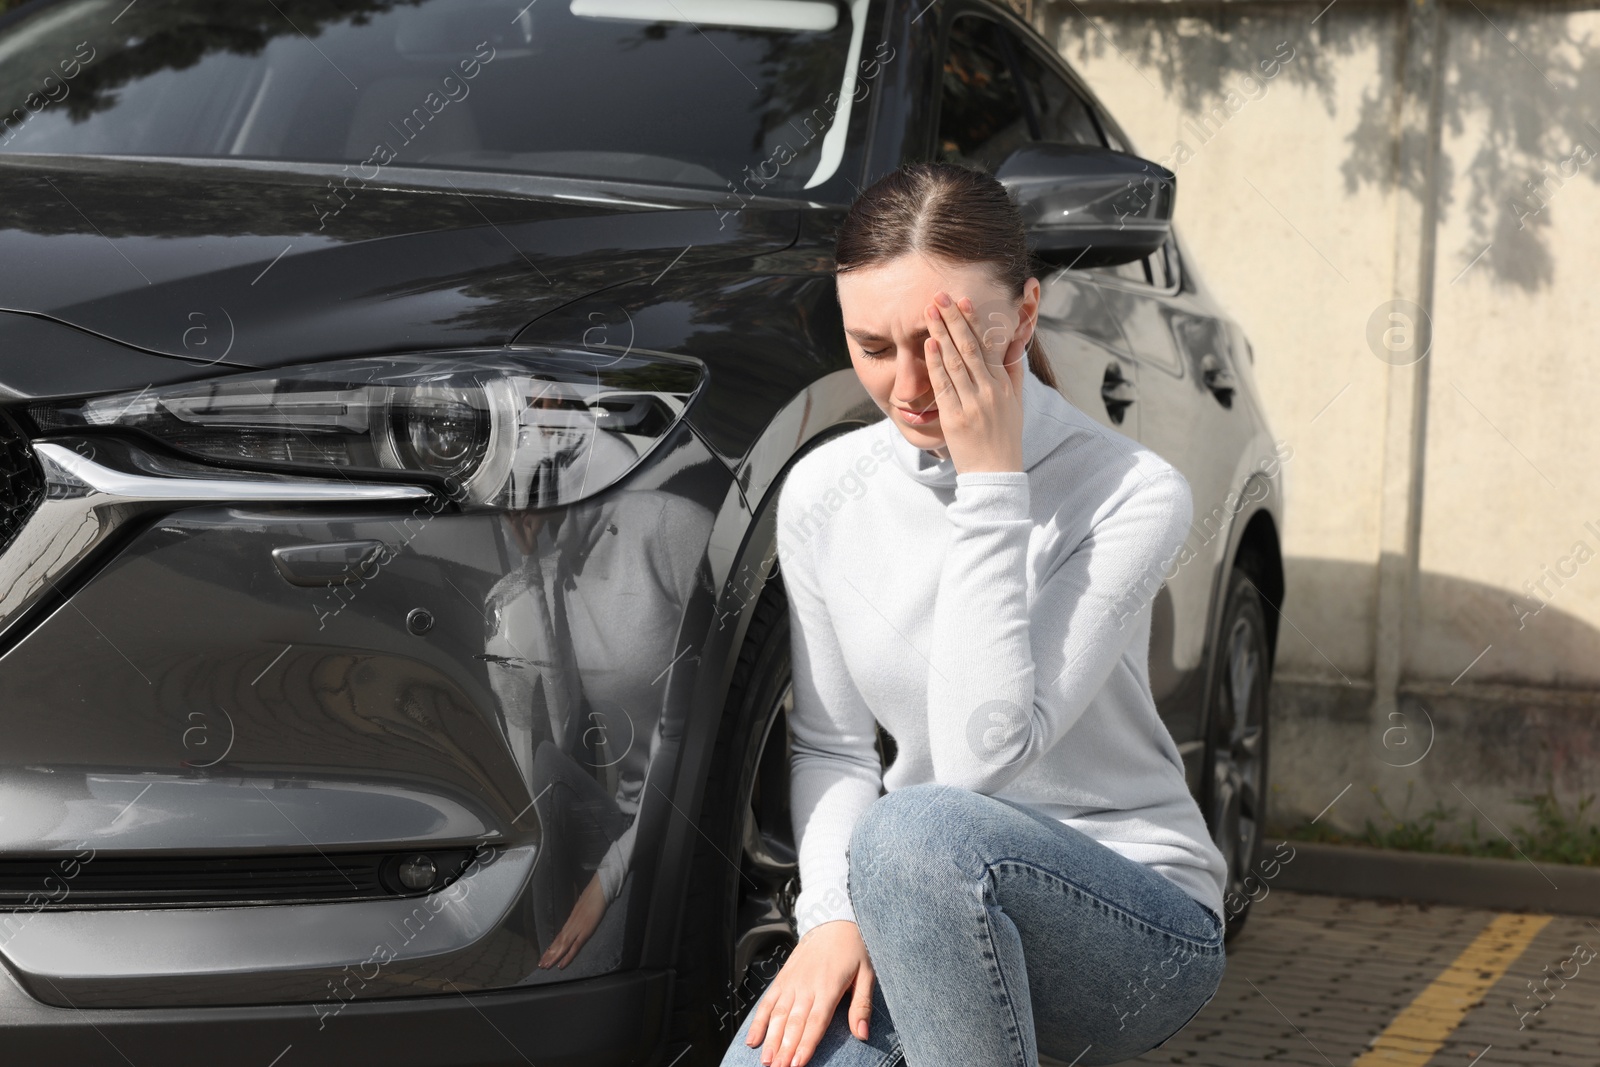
(961, 323)
(950, 354)
(758, 1021)
(861, 1003)
(945, 394)
(816, 1025)
(794, 1028)
(794, 1015)
(775, 1023)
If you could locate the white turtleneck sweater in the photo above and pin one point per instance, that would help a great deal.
(997, 624)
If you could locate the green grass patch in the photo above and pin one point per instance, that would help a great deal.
(1550, 833)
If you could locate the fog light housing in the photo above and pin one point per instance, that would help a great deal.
(417, 873)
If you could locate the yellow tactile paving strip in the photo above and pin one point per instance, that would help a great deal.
(1422, 1026)
(1335, 982)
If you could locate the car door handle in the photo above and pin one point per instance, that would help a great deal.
(1217, 378)
(1117, 392)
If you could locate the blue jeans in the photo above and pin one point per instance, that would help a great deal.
(999, 935)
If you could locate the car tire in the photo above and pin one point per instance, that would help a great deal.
(738, 924)
(1234, 789)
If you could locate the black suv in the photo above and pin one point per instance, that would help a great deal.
(394, 396)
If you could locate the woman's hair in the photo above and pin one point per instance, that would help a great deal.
(945, 210)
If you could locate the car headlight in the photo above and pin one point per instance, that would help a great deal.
(501, 428)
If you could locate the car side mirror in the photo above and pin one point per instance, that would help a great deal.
(1088, 206)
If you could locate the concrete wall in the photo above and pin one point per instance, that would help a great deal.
(1423, 323)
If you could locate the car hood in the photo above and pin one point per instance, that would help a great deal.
(260, 265)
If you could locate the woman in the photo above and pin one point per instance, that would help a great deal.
(1036, 879)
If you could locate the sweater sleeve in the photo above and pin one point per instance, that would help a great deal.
(835, 772)
(1007, 679)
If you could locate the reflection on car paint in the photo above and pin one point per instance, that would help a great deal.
(581, 634)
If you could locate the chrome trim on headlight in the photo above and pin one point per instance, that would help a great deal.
(85, 500)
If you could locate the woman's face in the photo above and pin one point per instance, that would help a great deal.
(886, 323)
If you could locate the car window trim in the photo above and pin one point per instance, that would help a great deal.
(1175, 263)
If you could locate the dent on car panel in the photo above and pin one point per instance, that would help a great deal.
(213, 705)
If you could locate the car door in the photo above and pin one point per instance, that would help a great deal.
(990, 105)
(1190, 419)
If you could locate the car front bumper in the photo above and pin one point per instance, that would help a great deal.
(595, 1022)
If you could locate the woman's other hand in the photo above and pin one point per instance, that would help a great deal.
(977, 370)
(794, 1013)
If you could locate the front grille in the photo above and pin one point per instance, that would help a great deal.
(21, 481)
(100, 880)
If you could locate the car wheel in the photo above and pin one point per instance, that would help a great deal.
(1234, 793)
(738, 925)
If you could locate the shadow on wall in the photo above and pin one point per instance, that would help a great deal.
(1467, 635)
(1519, 76)
(1497, 719)
(1477, 768)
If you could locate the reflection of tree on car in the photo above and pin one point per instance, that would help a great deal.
(575, 633)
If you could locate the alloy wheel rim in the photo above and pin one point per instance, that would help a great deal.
(1237, 763)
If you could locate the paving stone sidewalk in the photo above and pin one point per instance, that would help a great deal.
(1315, 980)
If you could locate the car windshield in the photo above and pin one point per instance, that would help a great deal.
(723, 94)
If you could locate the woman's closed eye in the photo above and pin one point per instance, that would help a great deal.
(873, 353)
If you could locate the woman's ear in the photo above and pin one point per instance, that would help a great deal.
(1028, 311)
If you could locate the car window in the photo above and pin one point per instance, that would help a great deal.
(1063, 114)
(583, 88)
(981, 113)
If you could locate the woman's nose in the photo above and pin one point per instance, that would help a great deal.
(912, 384)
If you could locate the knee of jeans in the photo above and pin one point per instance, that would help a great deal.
(899, 837)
